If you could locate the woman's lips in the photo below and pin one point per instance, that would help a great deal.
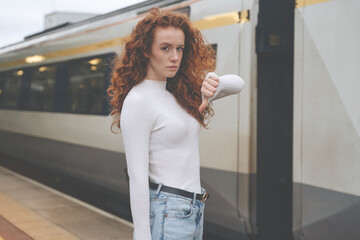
(172, 67)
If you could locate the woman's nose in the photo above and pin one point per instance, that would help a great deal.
(174, 56)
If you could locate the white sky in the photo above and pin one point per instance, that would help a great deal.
(20, 18)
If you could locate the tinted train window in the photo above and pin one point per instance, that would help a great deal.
(214, 46)
(42, 88)
(86, 87)
(185, 10)
(10, 82)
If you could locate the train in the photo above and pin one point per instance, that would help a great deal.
(54, 115)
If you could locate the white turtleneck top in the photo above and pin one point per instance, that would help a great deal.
(161, 142)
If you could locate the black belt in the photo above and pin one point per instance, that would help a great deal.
(203, 197)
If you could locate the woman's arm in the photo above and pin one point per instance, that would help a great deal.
(228, 84)
(215, 87)
(136, 125)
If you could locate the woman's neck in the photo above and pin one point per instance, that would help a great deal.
(154, 84)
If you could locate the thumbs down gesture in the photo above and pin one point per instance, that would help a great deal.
(208, 89)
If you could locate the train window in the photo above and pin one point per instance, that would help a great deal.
(1, 87)
(10, 82)
(42, 88)
(185, 10)
(86, 87)
(214, 46)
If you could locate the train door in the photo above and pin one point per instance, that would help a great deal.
(274, 48)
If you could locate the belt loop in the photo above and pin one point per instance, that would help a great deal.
(158, 189)
(193, 202)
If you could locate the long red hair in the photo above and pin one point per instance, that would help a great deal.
(130, 69)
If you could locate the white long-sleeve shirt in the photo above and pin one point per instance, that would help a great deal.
(161, 141)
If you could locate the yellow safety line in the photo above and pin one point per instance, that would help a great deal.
(303, 3)
(207, 23)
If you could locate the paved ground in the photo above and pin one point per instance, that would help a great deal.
(40, 213)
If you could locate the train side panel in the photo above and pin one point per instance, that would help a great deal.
(326, 121)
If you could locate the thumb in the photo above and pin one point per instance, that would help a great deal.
(203, 104)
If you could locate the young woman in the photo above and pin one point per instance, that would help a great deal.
(161, 85)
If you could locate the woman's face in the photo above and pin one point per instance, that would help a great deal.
(165, 54)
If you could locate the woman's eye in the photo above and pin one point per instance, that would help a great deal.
(165, 48)
(180, 48)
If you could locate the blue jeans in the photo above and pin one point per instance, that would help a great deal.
(174, 217)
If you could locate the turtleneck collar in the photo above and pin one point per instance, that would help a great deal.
(154, 84)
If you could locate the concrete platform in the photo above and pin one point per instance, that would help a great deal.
(38, 212)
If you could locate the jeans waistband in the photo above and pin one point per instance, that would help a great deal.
(161, 187)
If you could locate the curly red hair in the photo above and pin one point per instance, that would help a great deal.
(130, 69)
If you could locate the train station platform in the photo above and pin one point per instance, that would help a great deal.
(32, 211)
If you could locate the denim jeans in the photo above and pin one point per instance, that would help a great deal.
(174, 217)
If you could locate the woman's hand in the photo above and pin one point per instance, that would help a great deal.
(208, 90)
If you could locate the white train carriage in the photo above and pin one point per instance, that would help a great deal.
(54, 115)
